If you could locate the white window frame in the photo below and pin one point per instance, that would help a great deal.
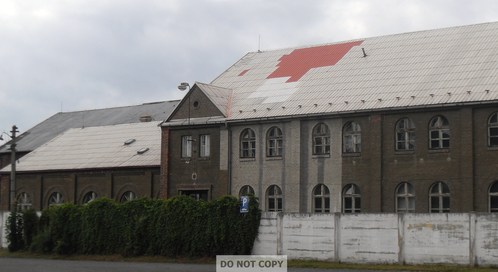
(439, 133)
(351, 138)
(187, 146)
(247, 143)
(351, 193)
(493, 130)
(321, 139)
(405, 193)
(274, 199)
(24, 202)
(274, 142)
(439, 192)
(55, 199)
(405, 135)
(205, 146)
(321, 194)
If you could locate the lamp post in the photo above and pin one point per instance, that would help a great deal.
(12, 167)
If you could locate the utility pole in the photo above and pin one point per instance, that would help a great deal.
(13, 200)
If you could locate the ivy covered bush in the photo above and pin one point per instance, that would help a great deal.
(179, 226)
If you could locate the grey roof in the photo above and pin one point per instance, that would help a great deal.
(219, 96)
(97, 147)
(60, 122)
(431, 68)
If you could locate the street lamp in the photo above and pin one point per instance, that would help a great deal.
(183, 87)
(12, 167)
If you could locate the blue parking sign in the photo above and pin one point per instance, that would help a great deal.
(244, 204)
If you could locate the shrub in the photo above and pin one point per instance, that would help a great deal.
(15, 231)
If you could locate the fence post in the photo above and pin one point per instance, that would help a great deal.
(337, 236)
(401, 238)
(472, 239)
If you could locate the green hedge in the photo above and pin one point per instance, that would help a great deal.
(179, 226)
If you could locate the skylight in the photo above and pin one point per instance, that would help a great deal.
(129, 141)
(142, 150)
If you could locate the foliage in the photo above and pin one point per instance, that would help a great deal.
(179, 226)
(15, 231)
(30, 226)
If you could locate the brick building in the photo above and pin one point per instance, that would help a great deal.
(398, 123)
(47, 174)
(119, 162)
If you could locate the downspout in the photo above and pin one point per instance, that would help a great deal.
(229, 183)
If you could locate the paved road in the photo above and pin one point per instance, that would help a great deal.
(44, 265)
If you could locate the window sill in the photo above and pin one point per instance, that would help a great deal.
(205, 158)
(320, 156)
(404, 152)
(356, 154)
(247, 159)
(273, 158)
(442, 150)
(493, 148)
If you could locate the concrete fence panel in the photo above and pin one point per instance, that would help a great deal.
(368, 238)
(486, 239)
(308, 236)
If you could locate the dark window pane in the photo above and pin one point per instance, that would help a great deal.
(434, 202)
(446, 202)
(494, 202)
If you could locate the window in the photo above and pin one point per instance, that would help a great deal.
(274, 199)
(89, 197)
(351, 199)
(247, 143)
(351, 138)
(321, 139)
(493, 130)
(405, 198)
(127, 196)
(321, 199)
(246, 190)
(439, 133)
(205, 146)
(186, 146)
(55, 199)
(24, 202)
(405, 135)
(493, 197)
(439, 198)
(274, 142)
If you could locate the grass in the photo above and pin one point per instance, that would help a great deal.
(291, 263)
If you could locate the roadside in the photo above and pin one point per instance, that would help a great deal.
(211, 261)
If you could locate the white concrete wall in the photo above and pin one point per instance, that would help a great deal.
(463, 238)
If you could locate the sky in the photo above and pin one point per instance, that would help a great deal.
(59, 55)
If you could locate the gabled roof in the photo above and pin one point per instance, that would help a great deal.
(421, 69)
(97, 147)
(219, 96)
(60, 122)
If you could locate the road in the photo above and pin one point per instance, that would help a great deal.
(45, 265)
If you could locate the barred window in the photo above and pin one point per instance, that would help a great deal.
(405, 135)
(321, 139)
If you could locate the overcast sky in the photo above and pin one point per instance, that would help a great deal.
(74, 55)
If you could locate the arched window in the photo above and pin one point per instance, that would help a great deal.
(439, 198)
(351, 199)
(321, 199)
(439, 133)
(493, 130)
(89, 197)
(405, 135)
(246, 190)
(274, 199)
(493, 197)
(405, 198)
(351, 134)
(274, 142)
(24, 201)
(247, 143)
(127, 196)
(55, 198)
(321, 139)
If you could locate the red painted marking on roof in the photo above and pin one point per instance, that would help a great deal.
(300, 61)
(244, 72)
